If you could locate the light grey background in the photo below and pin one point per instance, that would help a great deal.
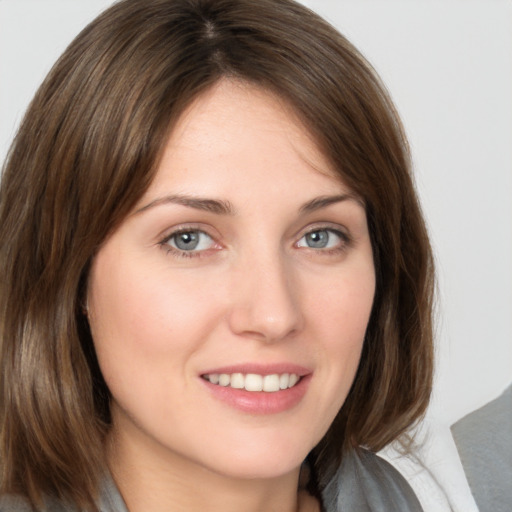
(448, 65)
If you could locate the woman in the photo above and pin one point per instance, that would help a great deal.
(216, 275)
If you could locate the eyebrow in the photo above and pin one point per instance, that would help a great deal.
(324, 201)
(221, 207)
(216, 206)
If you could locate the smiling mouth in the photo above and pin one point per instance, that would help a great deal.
(253, 381)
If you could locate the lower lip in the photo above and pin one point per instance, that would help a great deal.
(260, 402)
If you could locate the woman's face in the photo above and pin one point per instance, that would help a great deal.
(228, 311)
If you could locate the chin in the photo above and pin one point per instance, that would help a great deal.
(259, 460)
(251, 469)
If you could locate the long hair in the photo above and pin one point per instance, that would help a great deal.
(88, 149)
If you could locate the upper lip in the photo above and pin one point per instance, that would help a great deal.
(261, 369)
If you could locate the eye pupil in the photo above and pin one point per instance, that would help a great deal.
(187, 241)
(317, 239)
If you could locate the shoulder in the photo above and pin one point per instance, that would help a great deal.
(489, 425)
(110, 500)
(11, 503)
(367, 483)
(484, 444)
(16, 503)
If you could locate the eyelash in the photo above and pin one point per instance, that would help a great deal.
(182, 253)
(346, 242)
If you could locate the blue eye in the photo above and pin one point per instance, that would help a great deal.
(321, 239)
(191, 240)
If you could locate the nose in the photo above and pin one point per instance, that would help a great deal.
(266, 300)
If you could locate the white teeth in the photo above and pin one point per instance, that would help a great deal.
(237, 381)
(224, 379)
(254, 382)
(271, 383)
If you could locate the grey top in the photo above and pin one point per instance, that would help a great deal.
(366, 483)
(484, 442)
(363, 483)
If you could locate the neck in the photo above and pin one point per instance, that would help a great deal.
(160, 481)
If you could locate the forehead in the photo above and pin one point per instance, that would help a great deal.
(239, 134)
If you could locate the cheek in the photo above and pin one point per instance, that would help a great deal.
(344, 305)
(340, 317)
(134, 302)
(144, 325)
(146, 328)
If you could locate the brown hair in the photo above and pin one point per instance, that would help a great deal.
(86, 152)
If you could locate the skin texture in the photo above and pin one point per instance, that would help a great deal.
(253, 292)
